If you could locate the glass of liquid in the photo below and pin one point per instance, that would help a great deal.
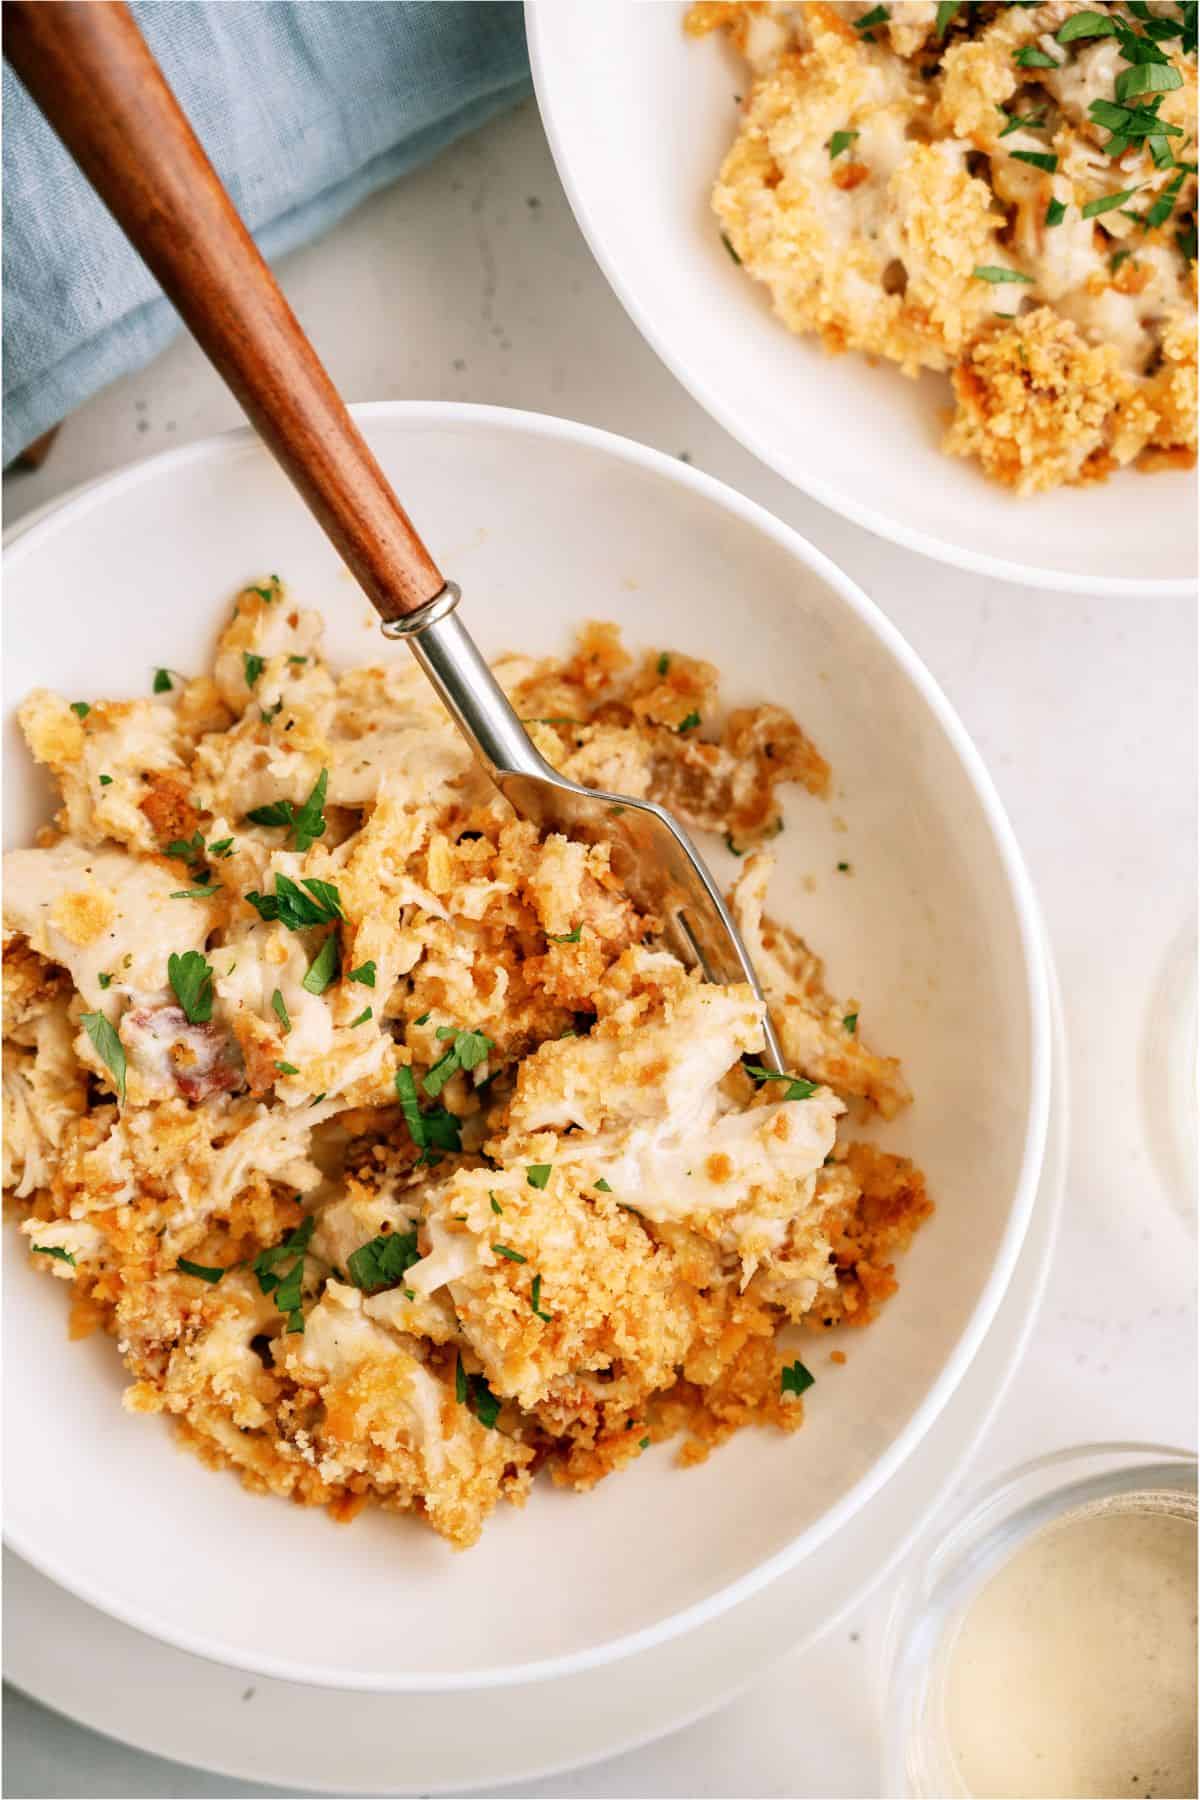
(1044, 1644)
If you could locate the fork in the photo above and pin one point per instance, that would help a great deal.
(87, 67)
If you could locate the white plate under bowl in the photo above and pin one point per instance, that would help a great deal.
(175, 1705)
(934, 931)
(639, 118)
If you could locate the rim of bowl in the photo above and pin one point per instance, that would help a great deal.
(837, 498)
(416, 413)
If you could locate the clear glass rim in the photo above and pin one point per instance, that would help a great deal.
(961, 1549)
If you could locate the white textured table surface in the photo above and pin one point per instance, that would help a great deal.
(470, 281)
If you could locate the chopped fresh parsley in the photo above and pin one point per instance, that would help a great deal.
(191, 978)
(424, 1018)
(108, 1047)
(196, 893)
(1146, 78)
(366, 1013)
(104, 978)
(1037, 159)
(867, 21)
(664, 663)
(602, 1186)
(1085, 25)
(384, 1261)
(737, 259)
(1186, 240)
(430, 1131)
(286, 1068)
(279, 1007)
(306, 821)
(1164, 206)
(535, 1299)
(56, 1251)
(730, 845)
(1117, 258)
(321, 905)
(287, 1287)
(568, 937)
(460, 1381)
(798, 1089)
(80, 708)
(643, 1443)
(201, 1271)
(538, 1174)
(850, 1022)
(467, 1049)
(106, 781)
(512, 1255)
(1032, 57)
(221, 847)
(1106, 203)
(843, 868)
(841, 140)
(993, 273)
(690, 723)
(496, 1206)
(1017, 122)
(162, 681)
(1056, 212)
(364, 974)
(794, 1378)
(945, 12)
(253, 667)
(324, 966)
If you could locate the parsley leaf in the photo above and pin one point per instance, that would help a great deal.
(364, 974)
(286, 1068)
(108, 1047)
(538, 1174)
(1106, 203)
(795, 1379)
(366, 1013)
(191, 977)
(201, 1271)
(1056, 212)
(664, 661)
(105, 780)
(568, 937)
(279, 1006)
(253, 667)
(1147, 78)
(1085, 25)
(306, 821)
(196, 893)
(467, 1050)
(162, 681)
(535, 1299)
(473, 1392)
(80, 708)
(945, 12)
(321, 905)
(1037, 159)
(431, 1131)
(56, 1251)
(1031, 57)
(496, 1206)
(512, 1255)
(690, 723)
(324, 966)
(275, 812)
(105, 979)
(1017, 122)
(867, 21)
(737, 259)
(799, 1088)
(288, 1287)
(602, 1186)
(841, 140)
(384, 1261)
(991, 272)
(850, 1023)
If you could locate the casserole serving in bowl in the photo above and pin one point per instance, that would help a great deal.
(905, 878)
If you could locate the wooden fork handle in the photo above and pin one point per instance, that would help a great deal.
(88, 68)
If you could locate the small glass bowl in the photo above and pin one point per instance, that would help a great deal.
(968, 1545)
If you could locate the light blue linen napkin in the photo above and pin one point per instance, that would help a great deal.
(304, 106)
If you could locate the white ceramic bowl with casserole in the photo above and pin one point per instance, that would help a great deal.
(546, 524)
(640, 117)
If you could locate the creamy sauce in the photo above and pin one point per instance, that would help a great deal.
(1074, 1671)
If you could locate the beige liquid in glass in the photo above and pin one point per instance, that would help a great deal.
(1074, 1671)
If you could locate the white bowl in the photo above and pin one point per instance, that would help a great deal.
(547, 523)
(639, 118)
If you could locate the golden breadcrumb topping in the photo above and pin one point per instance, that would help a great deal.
(1005, 193)
(394, 1152)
